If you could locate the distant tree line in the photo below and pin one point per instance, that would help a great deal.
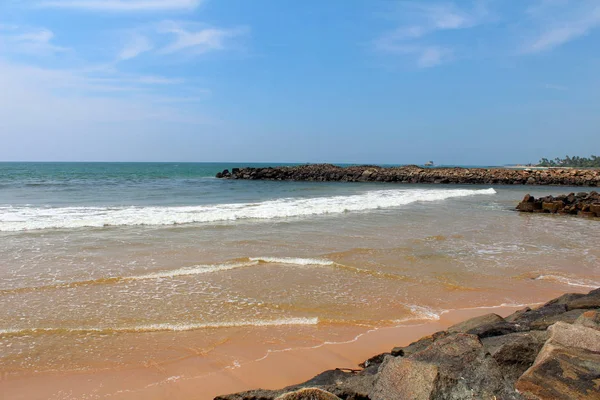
(579, 162)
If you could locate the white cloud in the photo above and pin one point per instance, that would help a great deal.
(137, 45)
(551, 86)
(159, 80)
(420, 20)
(432, 56)
(122, 5)
(198, 41)
(8, 27)
(561, 22)
(29, 94)
(32, 41)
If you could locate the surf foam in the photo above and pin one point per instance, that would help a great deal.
(568, 281)
(166, 327)
(21, 218)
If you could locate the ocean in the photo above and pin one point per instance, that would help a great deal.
(110, 266)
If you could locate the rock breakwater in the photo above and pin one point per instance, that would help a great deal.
(552, 352)
(415, 174)
(582, 204)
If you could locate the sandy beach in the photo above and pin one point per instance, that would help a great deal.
(190, 377)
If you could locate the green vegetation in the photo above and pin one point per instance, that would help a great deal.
(579, 162)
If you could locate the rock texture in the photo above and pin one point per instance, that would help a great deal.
(415, 174)
(582, 204)
(552, 352)
(567, 367)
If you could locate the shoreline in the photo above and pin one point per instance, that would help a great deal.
(545, 352)
(415, 174)
(273, 370)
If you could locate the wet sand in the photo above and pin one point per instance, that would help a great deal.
(192, 378)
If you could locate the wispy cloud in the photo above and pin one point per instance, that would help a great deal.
(137, 45)
(421, 21)
(198, 41)
(561, 22)
(122, 5)
(85, 96)
(551, 86)
(36, 41)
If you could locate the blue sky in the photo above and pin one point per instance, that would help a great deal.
(374, 81)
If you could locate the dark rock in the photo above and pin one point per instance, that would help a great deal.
(582, 204)
(565, 298)
(308, 394)
(251, 395)
(590, 300)
(419, 345)
(568, 317)
(415, 174)
(523, 320)
(515, 352)
(494, 329)
(375, 360)
(477, 322)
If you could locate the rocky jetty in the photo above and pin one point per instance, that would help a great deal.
(582, 204)
(551, 352)
(415, 174)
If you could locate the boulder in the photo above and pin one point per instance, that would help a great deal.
(405, 379)
(419, 345)
(515, 352)
(454, 367)
(590, 300)
(568, 317)
(476, 322)
(308, 394)
(590, 319)
(415, 174)
(564, 299)
(524, 319)
(567, 367)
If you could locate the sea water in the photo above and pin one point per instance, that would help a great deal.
(113, 265)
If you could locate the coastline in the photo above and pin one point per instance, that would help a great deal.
(415, 174)
(268, 370)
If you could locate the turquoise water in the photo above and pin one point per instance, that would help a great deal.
(55, 184)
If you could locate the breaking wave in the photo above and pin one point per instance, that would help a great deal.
(205, 269)
(568, 281)
(23, 218)
(160, 327)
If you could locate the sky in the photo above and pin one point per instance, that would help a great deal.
(486, 82)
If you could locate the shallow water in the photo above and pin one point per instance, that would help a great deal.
(109, 266)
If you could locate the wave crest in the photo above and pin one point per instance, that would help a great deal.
(24, 218)
(166, 327)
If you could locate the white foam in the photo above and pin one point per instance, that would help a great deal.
(167, 327)
(193, 270)
(569, 281)
(292, 260)
(424, 313)
(20, 218)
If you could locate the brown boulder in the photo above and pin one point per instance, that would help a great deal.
(402, 378)
(590, 319)
(455, 367)
(308, 394)
(567, 367)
